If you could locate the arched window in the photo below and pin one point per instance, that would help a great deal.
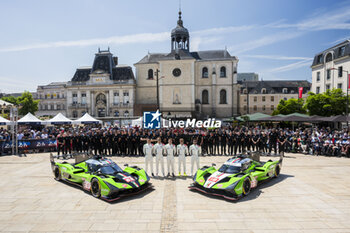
(284, 90)
(150, 74)
(75, 114)
(116, 113)
(205, 97)
(205, 72)
(223, 99)
(263, 91)
(126, 113)
(223, 72)
(329, 57)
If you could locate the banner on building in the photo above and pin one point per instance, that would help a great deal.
(300, 92)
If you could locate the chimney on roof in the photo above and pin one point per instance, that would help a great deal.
(115, 59)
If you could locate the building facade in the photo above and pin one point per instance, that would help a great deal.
(105, 90)
(52, 99)
(330, 68)
(187, 83)
(264, 96)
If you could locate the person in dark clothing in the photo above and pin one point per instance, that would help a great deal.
(216, 143)
(67, 144)
(263, 143)
(230, 143)
(282, 139)
(129, 143)
(211, 143)
(223, 143)
(273, 141)
(60, 144)
(255, 141)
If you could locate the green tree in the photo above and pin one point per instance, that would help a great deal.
(332, 102)
(27, 103)
(290, 106)
(11, 99)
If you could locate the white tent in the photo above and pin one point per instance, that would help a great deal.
(4, 103)
(30, 119)
(87, 119)
(60, 119)
(139, 122)
(4, 121)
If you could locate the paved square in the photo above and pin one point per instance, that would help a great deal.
(311, 195)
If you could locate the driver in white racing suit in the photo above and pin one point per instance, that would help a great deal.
(158, 150)
(170, 150)
(182, 151)
(195, 152)
(147, 151)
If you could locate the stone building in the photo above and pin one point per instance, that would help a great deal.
(106, 90)
(52, 99)
(264, 96)
(190, 83)
(331, 67)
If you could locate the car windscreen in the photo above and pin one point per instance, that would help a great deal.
(229, 169)
(110, 169)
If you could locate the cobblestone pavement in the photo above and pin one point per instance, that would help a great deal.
(311, 195)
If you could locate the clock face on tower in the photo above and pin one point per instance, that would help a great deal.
(176, 72)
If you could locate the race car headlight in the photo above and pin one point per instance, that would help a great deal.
(231, 187)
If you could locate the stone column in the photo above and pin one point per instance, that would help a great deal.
(92, 103)
(107, 102)
(213, 92)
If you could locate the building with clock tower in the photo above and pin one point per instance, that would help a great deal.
(190, 83)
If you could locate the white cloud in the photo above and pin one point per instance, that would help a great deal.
(289, 67)
(116, 40)
(277, 57)
(263, 41)
(326, 20)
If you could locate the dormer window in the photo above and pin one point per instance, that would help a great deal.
(263, 91)
(284, 90)
(245, 91)
(223, 72)
(205, 72)
(341, 51)
(329, 57)
(150, 74)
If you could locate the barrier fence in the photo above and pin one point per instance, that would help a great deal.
(29, 146)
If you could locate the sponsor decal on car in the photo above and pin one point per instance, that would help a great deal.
(125, 185)
(254, 182)
(86, 185)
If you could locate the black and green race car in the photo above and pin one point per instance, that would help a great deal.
(235, 178)
(101, 176)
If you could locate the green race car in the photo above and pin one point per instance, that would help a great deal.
(101, 176)
(236, 177)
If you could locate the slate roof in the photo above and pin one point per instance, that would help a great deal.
(275, 86)
(182, 54)
(104, 63)
(340, 50)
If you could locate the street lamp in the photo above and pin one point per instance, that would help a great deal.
(157, 83)
(347, 95)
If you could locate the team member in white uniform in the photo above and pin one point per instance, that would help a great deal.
(182, 151)
(147, 151)
(158, 150)
(195, 152)
(170, 150)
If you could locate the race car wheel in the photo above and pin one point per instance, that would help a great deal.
(246, 186)
(95, 188)
(57, 173)
(277, 171)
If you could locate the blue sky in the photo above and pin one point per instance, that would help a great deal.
(45, 41)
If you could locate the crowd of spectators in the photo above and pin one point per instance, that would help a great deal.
(227, 140)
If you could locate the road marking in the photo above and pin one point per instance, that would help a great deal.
(169, 218)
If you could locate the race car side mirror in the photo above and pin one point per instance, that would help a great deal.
(213, 164)
(126, 165)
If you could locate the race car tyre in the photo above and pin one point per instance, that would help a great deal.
(277, 171)
(246, 186)
(57, 173)
(95, 188)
